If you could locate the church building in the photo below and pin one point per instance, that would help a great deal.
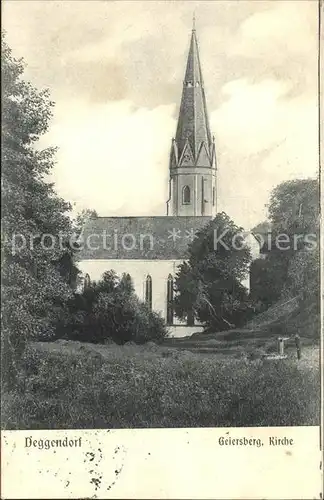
(151, 248)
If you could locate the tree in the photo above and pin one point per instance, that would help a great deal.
(304, 277)
(209, 283)
(294, 215)
(292, 256)
(35, 224)
(266, 281)
(82, 218)
(294, 207)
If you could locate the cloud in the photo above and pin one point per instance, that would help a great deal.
(112, 157)
(264, 137)
(273, 31)
(115, 70)
(249, 115)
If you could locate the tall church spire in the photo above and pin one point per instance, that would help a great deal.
(193, 122)
(192, 160)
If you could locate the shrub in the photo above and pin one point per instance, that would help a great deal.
(111, 310)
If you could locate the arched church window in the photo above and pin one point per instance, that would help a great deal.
(186, 195)
(148, 291)
(170, 293)
(87, 281)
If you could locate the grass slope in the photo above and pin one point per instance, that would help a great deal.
(260, 336)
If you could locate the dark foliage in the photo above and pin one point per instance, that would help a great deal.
(210, 282)
(36, 268)
(291, 245)
(109, 310)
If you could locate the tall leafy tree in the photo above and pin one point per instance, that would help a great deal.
(35, 222)
(209, 283)
(293, 256)
(82, 218)
(291, 244)
(294, 207)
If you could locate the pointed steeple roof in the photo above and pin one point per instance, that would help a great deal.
(193, 125)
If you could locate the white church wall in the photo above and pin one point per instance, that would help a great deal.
(178, 331)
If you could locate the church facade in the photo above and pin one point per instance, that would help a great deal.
(151, 248)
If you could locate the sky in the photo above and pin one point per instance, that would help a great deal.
(115, 71)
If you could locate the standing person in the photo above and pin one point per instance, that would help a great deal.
(297, 342)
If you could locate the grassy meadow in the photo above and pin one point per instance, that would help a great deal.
(66, 384)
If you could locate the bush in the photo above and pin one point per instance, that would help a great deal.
(79, 386)
(111, 310)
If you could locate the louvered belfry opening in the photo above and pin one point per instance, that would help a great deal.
(186, 195)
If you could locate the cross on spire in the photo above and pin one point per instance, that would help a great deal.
(193, 22)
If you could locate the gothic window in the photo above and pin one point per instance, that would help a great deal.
(148, 291)
(87, 281)
(186, 195)
(213, 196)
(170, 300)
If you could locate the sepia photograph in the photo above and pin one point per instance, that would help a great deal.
(162, 310)
(161, 212)
(161, 248)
